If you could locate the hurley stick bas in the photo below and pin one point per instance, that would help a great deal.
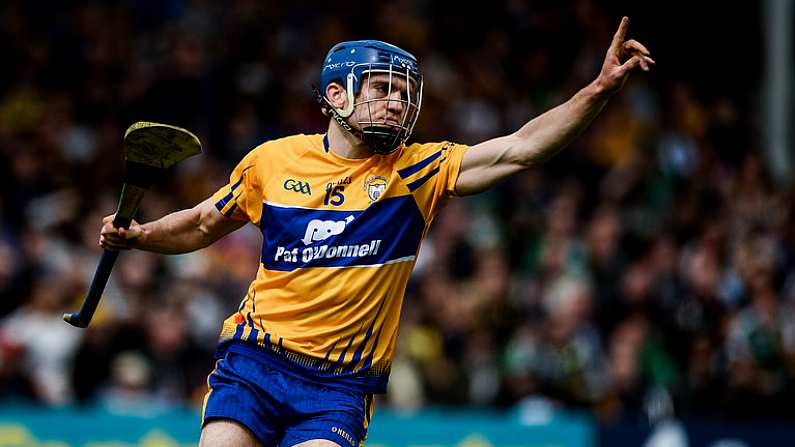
(149, 150)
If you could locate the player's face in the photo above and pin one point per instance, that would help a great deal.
(385, 100)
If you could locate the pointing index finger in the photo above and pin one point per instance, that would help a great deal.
(618, 38)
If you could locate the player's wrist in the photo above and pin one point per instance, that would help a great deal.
(139, 241)
(599, 89)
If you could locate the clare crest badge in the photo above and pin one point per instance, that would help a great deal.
(375, 186)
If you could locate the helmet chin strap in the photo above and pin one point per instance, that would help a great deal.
(376, 138)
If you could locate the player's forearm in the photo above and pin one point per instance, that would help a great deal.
(178, 232)
(547, 134)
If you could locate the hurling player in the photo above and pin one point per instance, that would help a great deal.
(342, 216)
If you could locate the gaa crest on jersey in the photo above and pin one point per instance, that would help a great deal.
(297, 186)
(375, 186)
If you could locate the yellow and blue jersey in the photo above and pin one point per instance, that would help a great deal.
(340, 238)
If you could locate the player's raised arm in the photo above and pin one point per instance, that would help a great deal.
(492, 161)
(179, 232)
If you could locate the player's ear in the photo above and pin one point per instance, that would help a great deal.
(336, 95)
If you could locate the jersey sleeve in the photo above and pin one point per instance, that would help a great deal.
(241, 198)
(430, 173)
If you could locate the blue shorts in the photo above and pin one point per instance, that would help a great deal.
(281, 409)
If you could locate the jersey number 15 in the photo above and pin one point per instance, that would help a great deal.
(334, 195)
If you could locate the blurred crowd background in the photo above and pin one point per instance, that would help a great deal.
(650, 265)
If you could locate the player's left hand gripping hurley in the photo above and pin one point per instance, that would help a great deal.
(149, 150)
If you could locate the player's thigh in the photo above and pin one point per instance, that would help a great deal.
(227, 433)
(317, 443)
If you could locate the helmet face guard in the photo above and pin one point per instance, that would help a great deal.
(388, 84)
(398, 113)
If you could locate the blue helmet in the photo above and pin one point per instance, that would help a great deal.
(353, 64)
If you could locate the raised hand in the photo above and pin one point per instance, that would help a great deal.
(621, 59)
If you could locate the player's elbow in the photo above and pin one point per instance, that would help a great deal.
(213, 225)
(526, 153)
(203, 238)
(208, 231)
(201, 223)
(520, 153)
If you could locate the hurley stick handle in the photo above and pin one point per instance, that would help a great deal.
(90, 302)
(131, 196)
